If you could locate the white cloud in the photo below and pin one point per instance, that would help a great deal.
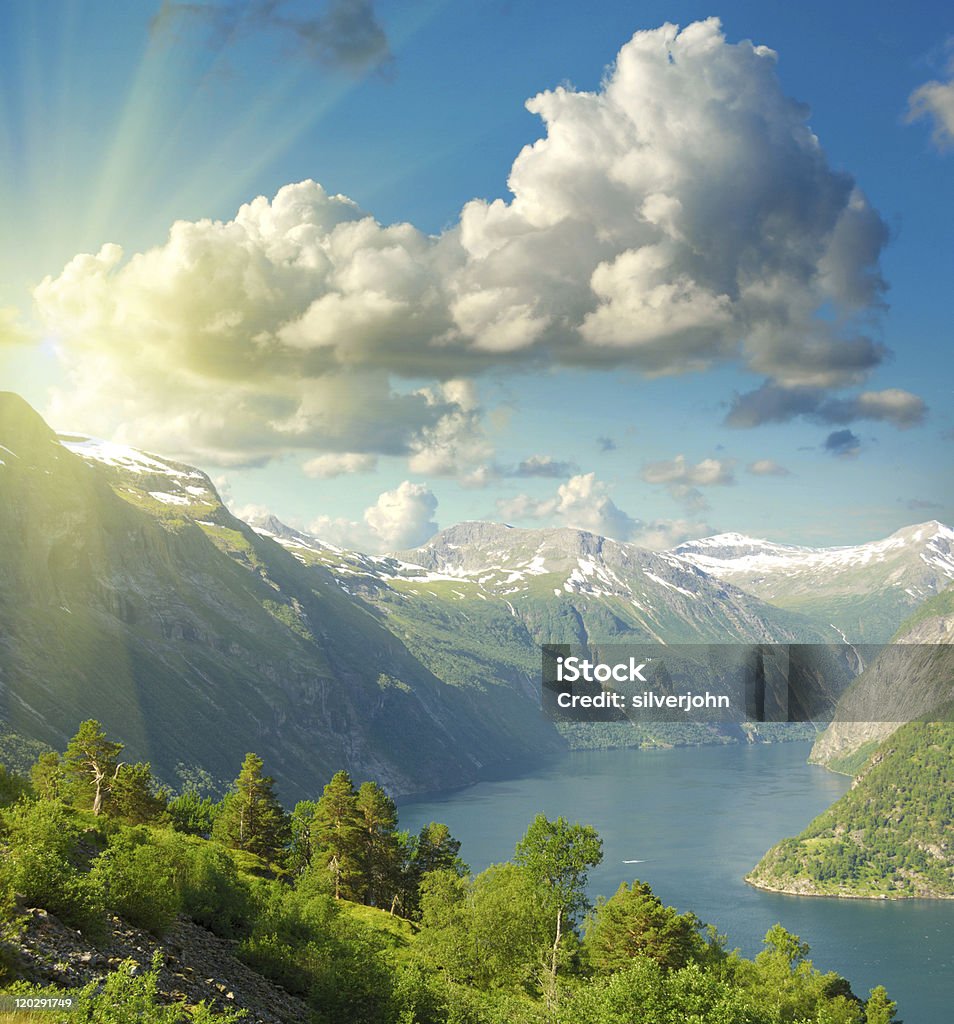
(683, 480)
(584, 503)
(455, 444)
(663, 534)
(707, 473)
(522, 506)
(767, 467)
(682, 215)
(340, 464)
(402, 518)
(935, 101)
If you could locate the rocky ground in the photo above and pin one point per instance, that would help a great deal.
(197, 965)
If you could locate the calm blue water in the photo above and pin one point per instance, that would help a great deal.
(700, 818)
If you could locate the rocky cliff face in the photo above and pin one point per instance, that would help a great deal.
(128, 593)
(910, 679)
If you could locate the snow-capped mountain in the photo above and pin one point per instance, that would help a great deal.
(130, 594)
(564, 585)
(865, 590)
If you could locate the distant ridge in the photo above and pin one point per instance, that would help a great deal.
(865, 590)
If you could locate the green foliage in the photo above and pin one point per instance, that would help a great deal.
(91, 763)
(302, 941)
(208, 884)
(797, 991)
(136, 879)
(484, 950)
(435, 849)
(512, 929)
(889, 835)
(127, 995)
(40, 863)
(381, 852)
(491, 932)
(633, 923)
(338, 837)
(193, 814)
(135, 796)
(12, 787)
(879, 1009)
(251, 817)
(432, 849)
(301, 844)
(49, 777)
(558, 856)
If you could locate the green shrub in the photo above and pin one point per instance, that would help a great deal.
(208, 884)
(126, 996)
(136, 880)
(12, 787)
(193, 814)
(40, 863)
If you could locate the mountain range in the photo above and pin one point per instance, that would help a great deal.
(130, 593)
(865, 591)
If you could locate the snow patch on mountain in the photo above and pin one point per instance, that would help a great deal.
(734, 553)
(122, 457)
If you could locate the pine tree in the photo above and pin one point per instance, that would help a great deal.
(338, 836)
(91, 761)
(49, 777)
(381, 852)
(135, 796)
(252, 818)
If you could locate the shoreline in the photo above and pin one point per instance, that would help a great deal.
(874, 897)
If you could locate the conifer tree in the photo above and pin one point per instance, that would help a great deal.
(381, 852)
(339, 836)
(252, 818)
(92, 762)
(49, 777)
(135, 796)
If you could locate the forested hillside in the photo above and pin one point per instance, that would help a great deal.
(889, 836)
(193, 910)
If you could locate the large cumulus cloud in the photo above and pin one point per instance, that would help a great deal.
(402, 518)
(682, 215)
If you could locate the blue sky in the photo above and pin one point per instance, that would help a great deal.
(687, 316)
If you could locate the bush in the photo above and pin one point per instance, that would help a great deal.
(136, 880)
(207, 882)
(40, 863)
(193, 814)
(12, 787)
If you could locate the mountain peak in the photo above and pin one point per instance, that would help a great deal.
(21, 426)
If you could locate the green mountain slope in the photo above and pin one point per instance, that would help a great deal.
(129, 593)
(479, 599)
(890, 837)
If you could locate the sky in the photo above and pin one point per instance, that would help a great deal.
(656, 272)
